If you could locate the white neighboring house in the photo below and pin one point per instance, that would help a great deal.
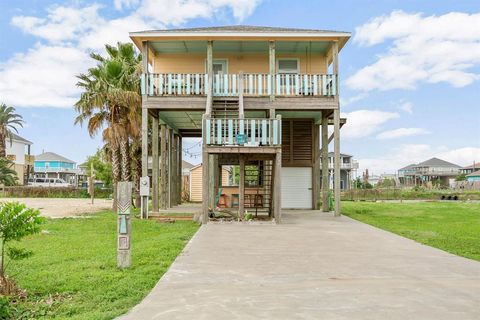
(18, 151)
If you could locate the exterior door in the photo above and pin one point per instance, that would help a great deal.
(296, 187)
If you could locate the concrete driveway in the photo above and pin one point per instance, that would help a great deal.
(313, 266)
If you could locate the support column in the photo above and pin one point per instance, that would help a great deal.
(163, 167)
(144, 198)
(180, 170)
(336, 161)
(210, 77)
(324, 154)
(272, 63)
(316, 167)
(205, 187)
(277, 187)
(170, 167)
(155, 164)
(241, 195)
(212, 180)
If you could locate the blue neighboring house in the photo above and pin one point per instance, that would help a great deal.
(474, 176)
(52, 165)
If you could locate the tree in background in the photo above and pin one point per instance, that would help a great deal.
(8, 176)
(101, 167)
(111, 102)
(9, 121)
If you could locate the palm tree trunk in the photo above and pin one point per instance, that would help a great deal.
(125, 158)
(116, 173)
(3, 148)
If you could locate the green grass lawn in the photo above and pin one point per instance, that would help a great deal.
(73, 273)
(450, 226)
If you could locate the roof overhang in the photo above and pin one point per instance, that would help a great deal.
(166, 35)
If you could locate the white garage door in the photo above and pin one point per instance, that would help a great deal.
(297, 188)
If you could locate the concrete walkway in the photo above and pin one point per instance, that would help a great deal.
(313, 266)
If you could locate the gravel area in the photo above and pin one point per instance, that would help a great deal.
(61, 207)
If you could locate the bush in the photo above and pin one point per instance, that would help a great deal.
(53, 192)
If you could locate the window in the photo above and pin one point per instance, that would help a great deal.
(220, 66)
(288, 66)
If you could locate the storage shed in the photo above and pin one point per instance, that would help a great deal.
(196, 182)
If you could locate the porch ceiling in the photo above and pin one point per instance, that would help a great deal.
(294, 47)
(192, 120)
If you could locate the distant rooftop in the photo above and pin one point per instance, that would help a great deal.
(187, 165)
(16, 137)
(52, 156)
(410, 166)
(473, 166)
(474, 174)
(435, 162)
(331, 154)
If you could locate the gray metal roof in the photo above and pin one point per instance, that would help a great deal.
(435, 162)
(242, 28)
(52, 156)
(410, 166)
(16, 137)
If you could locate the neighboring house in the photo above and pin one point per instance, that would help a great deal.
(52, 165)
(406, 175)
(430, 172)
(196, 185)
(470, 169)
(259, 97)
(474, 176)
(348, 167)
(18, 151)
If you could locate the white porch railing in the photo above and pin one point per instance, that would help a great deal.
(174, 84)
(288, 85)
(245, 132)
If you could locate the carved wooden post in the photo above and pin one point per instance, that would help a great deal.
(124, 201)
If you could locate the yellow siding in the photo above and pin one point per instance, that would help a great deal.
(248, 63)
(196, 185)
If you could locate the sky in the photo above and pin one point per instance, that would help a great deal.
(409, 76)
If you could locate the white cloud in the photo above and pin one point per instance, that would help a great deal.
(346, 101)
(407, 107)
(401, 132)
(45, 74)
(43, 77)
(423, 49)
(362, 123)
(403, 155)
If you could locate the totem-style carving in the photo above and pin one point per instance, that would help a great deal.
(124, 203)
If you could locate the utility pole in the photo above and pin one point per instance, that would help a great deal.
(91, 183)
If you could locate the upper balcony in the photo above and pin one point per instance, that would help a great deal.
(266, 65)
(231, 85)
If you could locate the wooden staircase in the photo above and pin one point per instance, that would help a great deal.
(225, 108)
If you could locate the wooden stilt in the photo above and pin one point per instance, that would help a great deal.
(316, 167)
(324, 154)
(144, 199)
(241, 196)
(336, 161)
(205, 187)
(155, 164)
(163, 167)
(277, 187)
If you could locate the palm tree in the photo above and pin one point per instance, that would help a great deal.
(111, 101)
(9, 121)
(8, 176)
